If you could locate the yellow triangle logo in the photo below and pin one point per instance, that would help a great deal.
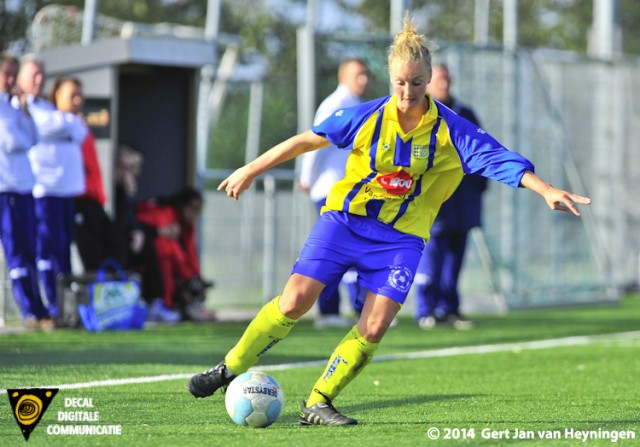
(28, 405)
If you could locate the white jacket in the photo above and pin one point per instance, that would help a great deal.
(17, 135)
(322, 168)
(57, 158)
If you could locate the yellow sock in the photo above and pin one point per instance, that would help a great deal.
(267, 328)
(351, 355)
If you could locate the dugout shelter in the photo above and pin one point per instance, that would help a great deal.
(140, 91)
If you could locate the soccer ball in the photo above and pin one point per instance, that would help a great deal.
(254, 399)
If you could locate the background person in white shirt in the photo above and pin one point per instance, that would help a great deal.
(56, 161)
(17, 229)
(321, 169)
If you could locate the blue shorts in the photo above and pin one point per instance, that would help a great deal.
(385, 259)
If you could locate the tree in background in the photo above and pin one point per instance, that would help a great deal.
(15, 18)
(628, 19)
(556, 24)
(186, 12)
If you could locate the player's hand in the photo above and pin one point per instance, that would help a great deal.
(558, 199)
(17, 91)
(237, 182)
(137, 241)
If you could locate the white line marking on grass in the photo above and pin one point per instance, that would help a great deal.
(114, 382)
(506, 347)
(445, 352)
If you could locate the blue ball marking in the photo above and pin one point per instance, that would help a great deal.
(243, 408)
(275, 407)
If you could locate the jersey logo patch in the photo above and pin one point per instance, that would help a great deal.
(396, 182)
(420, 152)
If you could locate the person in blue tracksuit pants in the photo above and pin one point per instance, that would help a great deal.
(320, 170)
(437, 297)
(17, 217)
(56, 161)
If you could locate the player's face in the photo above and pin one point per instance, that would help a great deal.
(69, 97)
(440, 83)
(8, 72)
(31, 79)
(409, 81)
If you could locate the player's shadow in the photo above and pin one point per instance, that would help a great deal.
(405, 401)
(354, 409)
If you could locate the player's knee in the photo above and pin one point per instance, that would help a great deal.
(374, 330)
(299, 295)
(295, 305)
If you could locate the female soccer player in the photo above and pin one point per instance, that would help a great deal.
(408, 155)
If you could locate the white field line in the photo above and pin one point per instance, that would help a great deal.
(445, 352)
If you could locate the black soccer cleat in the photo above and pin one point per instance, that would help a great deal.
(323, 413)
(208, 382)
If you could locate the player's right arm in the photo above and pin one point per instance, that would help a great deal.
(242, 178)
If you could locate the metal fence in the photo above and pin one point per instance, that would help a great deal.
(571, 117)
(546, 258)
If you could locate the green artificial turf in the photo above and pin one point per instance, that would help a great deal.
(588, 385)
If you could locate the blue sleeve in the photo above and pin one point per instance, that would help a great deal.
(341, 128)
(482, 154)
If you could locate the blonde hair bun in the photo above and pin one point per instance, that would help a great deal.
(409, 45)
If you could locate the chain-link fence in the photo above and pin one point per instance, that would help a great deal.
(574, 118)
(550, 109)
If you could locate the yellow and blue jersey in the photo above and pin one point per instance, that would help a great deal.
(402, 179)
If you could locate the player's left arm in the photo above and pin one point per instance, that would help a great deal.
(556, 199)
(243, 177)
